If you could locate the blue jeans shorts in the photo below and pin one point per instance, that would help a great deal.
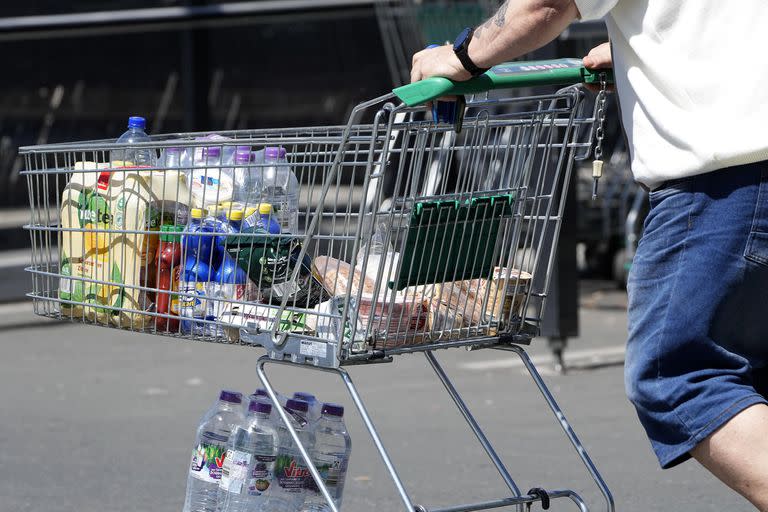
(697, 353)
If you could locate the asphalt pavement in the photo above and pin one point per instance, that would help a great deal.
(96, 419)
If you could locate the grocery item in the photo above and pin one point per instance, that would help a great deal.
(196, 274)
(264, 217)
(247, 180)
(140, 201)
(280, 188)
(209, 452)
(210, 181)
(248, 471)
(261, 317)
(315, 405)
(168, 275)
(381, 257)
(330, 456)
(138, 157)
(290, 469)
(229, 283)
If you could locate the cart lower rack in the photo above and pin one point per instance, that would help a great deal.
(328, 246)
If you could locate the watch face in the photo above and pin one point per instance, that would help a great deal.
(461, 40)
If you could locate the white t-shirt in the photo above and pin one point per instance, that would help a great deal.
(692, 79)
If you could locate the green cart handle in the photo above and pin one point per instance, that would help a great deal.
(504, 76)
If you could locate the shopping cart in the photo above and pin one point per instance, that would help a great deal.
(463, 261)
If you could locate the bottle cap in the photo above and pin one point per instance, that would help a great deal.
(232, 397)
(259, 405)
(137, 122)
(261, 392)
(198, 213)
(307, 397)
(265, 208)
(274, 152)
(211, 152)
(173, 150)
(173, 236)
(250, 211)
(297, 405)
(333, 410)
(243, 154)
(235, 215)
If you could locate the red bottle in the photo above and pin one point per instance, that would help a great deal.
(168, 271)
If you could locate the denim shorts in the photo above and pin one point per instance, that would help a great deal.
(698, 308)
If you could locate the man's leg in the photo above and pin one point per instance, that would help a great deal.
(737, 454)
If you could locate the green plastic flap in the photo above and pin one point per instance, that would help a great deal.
(504, 76)
(451, 240)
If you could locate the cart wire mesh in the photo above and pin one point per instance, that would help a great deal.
(408, 236)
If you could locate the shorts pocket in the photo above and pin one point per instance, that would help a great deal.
(757, 243)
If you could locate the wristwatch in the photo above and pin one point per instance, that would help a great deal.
(461, 49)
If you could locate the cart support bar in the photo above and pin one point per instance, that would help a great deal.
(504, 76)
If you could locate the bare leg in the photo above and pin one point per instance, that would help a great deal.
(737, 454)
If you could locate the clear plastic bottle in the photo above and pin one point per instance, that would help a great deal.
(210, 181)
(380, 253)
(333, 448)
(249, 466)
(291, 472)
(210, 448)
(244, 176)
(315, 406)
(134, 157)
(280, 188)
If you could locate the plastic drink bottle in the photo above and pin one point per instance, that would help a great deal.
(333, 447)
(229, 284)
(248, 471)
(210, 182)
(244, 181)
(291, 471)
(168, 276)
(263, 217)
(196, 274)
(210, 448)
(134, 157)
(170, 158)
(315, 406)
(280, 188)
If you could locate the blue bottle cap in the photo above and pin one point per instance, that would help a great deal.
(137, 122)
(297, 405)
(231, 396)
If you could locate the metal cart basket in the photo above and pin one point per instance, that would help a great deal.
(459, 255)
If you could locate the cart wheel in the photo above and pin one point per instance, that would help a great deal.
(620, 269)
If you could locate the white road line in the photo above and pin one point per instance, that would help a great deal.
(575, 357)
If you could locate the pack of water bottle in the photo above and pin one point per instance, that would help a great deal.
(245, 460)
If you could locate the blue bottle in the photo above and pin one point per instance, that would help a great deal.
(263, 218)
(198, 246)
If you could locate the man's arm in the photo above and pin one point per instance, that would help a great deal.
(518, 27)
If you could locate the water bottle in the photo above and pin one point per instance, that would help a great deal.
(134, 157)
(280, 188)
(315, 406)
(333, 447)
(209, 180)
(245, 177)
(248, 470)
(263, 217)
(196, 273)
(229, 284)
(291, 472)
(210, 448)
(170, 158)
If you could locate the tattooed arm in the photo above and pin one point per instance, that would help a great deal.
(518, 27)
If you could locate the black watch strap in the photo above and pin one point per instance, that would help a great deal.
(461, 49)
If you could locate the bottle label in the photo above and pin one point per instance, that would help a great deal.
(291, 474)
(207, 461)
(332, 468)
(192, 302)
(175, 306)
(234, 472)
(262, 475)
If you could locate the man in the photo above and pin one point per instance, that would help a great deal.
(693, 90)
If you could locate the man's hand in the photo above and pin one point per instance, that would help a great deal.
(440, 61)
(599, 57)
